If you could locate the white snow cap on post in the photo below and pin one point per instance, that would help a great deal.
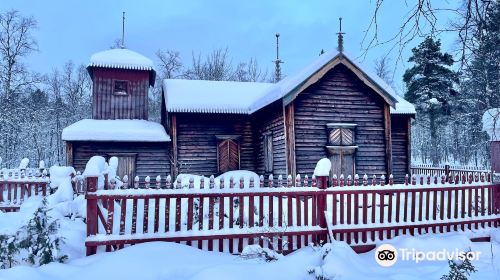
(24, 163)
(491, 123)
(323, 167)
(95, 167)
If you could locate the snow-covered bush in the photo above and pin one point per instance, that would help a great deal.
(459, 270)
(40, 238)
(257, 252)
(8, 250)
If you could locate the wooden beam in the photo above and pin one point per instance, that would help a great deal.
(388, 140)
(174, 145)
(69, 154)
(290, 139)
(408, 160)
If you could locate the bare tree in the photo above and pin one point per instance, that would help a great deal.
(249, 72)
(170, 63)
(422, 21)
(217, 66)
(383, 70)
(16, 42)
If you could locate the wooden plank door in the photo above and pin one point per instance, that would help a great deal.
(228, 155)
(126, 165)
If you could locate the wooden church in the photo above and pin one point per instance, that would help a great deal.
(332, 108)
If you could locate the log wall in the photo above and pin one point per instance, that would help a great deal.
(151, 158)
(340, 97)
(197, 142)
(400, 147)
(107, 105)
(270, 120)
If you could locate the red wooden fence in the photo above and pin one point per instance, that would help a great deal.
(447, 170)
(17, 185)
(225, 216)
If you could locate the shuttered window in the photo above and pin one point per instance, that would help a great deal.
(228, 155)
(268, 152)
(341, 137)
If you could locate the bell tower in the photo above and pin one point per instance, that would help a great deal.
(120, 83)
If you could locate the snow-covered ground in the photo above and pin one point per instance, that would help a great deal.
(161, 260)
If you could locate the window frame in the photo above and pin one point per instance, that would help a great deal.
(121, 93)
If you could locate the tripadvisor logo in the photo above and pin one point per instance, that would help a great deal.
(387, 255)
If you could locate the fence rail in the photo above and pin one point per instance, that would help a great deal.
(288, 215)
(16, 185)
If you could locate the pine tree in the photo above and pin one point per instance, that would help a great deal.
(40, 238)
(460, 270)
(480, 84)
(430, 85)
(8, 251)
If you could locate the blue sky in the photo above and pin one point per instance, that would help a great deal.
(74, 30)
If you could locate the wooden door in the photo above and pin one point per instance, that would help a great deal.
(343, 162)
(228, 155)
(126, 165)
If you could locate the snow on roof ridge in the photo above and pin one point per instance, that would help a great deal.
(206, 96)
(271, 92)
(122, 130)
(121, 58)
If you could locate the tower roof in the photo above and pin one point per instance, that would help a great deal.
(122, 59)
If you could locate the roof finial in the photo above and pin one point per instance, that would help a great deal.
(123, 31)
(340, 46)
(278, 61)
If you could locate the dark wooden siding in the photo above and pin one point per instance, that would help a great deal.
(339, 96)
(399, 127)
(197, 142)
(270, 120)
(152, 159)
(107, 105)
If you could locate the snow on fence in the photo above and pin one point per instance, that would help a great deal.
(227, 215)
(447, 170)
(18, 184)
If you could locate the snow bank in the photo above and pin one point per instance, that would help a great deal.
(491, 123)
(323, 167)
(115, 130)
(341, 262)
(162, 260)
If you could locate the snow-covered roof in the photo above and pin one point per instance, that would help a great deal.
(202, 96)
(491, 123)
(403, 107)
(116, 131)
(121, 58)
(248, 97)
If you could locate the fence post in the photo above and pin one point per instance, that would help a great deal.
(91, 212)
(322, 184)
(447, 171)
(495, 168)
